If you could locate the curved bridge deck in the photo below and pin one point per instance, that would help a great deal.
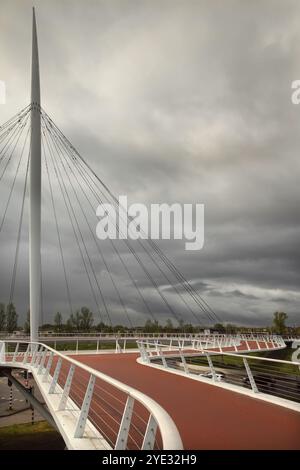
(207, 417)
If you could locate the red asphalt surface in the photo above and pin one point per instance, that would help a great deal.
(207, 417)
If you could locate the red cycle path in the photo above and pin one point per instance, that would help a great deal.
(207, 417)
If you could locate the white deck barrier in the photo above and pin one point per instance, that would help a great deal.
(260, 375)
(92, 410)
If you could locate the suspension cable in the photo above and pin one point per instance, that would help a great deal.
(13, 281)
(152, 280)
(70, 212)
(57, 231)
(94, 238)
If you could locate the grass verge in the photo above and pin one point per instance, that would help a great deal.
(38, 436)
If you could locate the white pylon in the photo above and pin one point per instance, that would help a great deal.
(35, 192)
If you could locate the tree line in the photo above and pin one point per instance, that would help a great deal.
(8, 318)
(83, 321)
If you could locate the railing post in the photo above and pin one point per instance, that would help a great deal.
(38, 356)
(250, 376)
(26, 354)
(164, 362)
(55, 376)
(149, 438)
(47, 370)
(42, 362)
(2, 352)
(122, 438)
(80, 426)
(67, 387)
(16, 352)
(185, 367)
(143, 352)
(211, 366)
(35, 348)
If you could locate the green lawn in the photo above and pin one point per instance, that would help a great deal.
(38, 436)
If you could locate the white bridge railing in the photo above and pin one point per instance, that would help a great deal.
(225, 343)
(92, 410)
(128, 341)
(123, 342)
(261, 375)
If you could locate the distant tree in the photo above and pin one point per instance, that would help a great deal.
(151, 327)
(58, 322)
(81, 320)
(169, 325)
(2, 317)
(69, 325)
(188, 328)
(148, 326)
(11, 318)
(101, 326)
(279, 322)
(27, 324)
(46, 327)
(181, 325)
(75, 320)
(231, 329)
(86, 319)
(219, 327)
(119, 329)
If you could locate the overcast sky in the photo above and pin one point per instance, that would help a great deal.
(172, 101)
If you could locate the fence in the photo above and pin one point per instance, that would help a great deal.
(260, 374)
(91, 409)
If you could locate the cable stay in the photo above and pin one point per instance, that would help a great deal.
(125, 279)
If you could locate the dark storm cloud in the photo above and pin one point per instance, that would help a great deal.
(172, 101)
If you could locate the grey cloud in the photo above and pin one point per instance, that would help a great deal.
(170, 101)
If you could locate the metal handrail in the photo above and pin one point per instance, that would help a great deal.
(215, 345)
(139, 334)
(168, 430)
(217, 353)
(265, 376)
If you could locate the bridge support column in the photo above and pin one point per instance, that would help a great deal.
(35, 279)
